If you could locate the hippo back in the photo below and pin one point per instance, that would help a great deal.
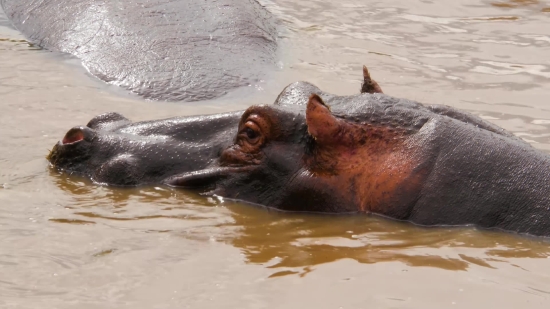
(175, 50)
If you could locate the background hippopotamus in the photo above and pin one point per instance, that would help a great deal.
(316, 152)
(177, 50)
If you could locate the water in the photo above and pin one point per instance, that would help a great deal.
(65, 243)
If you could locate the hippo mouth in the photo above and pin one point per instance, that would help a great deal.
(206, 178)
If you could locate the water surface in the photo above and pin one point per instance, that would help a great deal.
(66, 243)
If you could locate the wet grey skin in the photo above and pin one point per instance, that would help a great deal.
(463, 170)
(172, 50)
(112, 150)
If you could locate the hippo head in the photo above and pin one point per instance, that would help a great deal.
(310, 151)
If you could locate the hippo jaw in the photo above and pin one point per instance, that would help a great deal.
(204, 179)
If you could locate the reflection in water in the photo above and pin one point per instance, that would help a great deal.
(302, 240)
(297, 240)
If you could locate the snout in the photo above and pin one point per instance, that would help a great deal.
(73, 148)
(112, 150)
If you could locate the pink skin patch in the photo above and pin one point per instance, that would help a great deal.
(73, 136)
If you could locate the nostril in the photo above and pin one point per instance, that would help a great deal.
(74, 135)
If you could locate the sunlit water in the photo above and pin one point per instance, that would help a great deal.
(66, 243)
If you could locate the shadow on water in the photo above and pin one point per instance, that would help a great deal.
(292, 243)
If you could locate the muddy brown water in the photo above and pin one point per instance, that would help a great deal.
(67, 243)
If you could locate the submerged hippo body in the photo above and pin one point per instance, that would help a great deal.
(312, 151)
(175, 50)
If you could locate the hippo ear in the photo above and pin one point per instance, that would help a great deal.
(321, 124)
(369, 85)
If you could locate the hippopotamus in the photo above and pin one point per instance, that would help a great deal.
(312, 151)
(172, 50)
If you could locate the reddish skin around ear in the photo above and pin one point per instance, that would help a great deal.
(367, 163)
(329, 130)
(321, 124)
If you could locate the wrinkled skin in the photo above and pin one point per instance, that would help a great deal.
(174, 50)
(312, 151)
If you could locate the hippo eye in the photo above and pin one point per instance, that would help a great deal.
(251, 133)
